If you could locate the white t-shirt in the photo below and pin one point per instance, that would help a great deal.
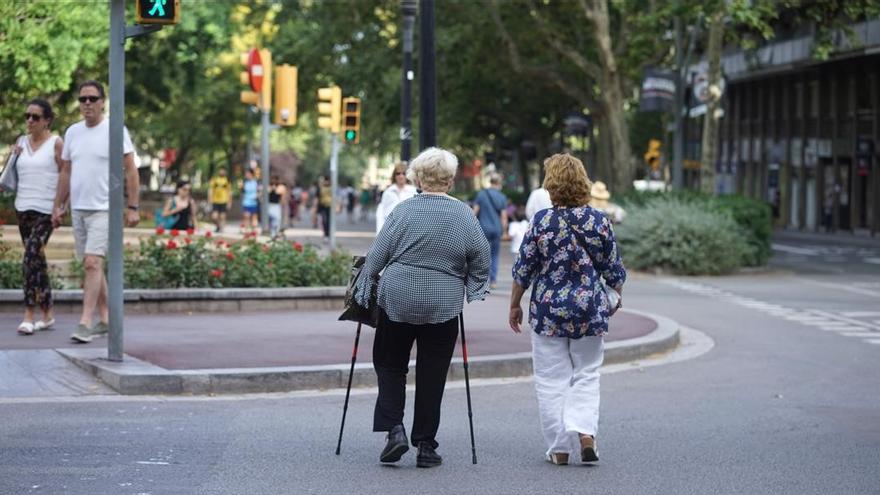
(538, 200)
(88, 150)
(37, 177)
(390, 198)
(516, 231)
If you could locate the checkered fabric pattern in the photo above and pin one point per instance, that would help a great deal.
(433, 253)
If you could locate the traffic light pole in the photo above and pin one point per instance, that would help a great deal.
(264, 160)
(334, 185)
(115, 287)
(409, 19)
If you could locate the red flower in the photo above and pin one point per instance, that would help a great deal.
(208, 234)
(171, 244)
(190, 231)
(187, 240)
(230, 256)
(297, 246)
(217, 273)
(174, 232)
(160, 230)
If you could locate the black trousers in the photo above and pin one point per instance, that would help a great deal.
(391, 349)
(35, 229)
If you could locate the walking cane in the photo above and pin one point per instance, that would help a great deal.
(467, 386)
(354, 353)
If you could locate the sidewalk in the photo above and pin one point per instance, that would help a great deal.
(268, 351)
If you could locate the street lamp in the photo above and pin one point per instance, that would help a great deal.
(409, 18)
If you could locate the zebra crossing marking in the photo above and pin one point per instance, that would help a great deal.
(843, 323)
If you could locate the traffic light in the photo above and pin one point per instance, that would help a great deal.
(257, 75)
(157, 11)
(285, 95)
(652, 156)
(329, 107)
(351, 120)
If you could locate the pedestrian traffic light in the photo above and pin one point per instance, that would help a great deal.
(351, 120)
(285, 95)
(257, 75)
(652, 156)
(329, 107)
(157, 11)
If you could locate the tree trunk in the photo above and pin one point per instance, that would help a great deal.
(612, 99)
(711, 120)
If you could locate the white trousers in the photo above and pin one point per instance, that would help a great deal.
(567, 385)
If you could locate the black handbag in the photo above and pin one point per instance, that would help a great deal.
(354, 311)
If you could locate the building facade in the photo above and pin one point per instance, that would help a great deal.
(803, 134)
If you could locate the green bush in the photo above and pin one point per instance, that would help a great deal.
(754, 219)
(683, 237)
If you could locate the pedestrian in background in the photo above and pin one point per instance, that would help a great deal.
(250, 204)
(38, 167)
(516, 229)
(568, 255)
(539, 199)
(490, 206)
(84, 179)
(277, 197)
(365, 199)
(433, 255)
(220, 191)
(294, 202)
(600, 199)
(181, 206)
(323, 205)
(397, 192)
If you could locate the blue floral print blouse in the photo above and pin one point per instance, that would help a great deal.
(566, 253)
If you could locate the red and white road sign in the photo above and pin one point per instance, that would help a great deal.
(255, 70)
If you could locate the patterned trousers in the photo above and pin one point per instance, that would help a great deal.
(35, 229)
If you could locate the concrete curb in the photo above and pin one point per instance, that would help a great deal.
(157, 301)
(136, 377)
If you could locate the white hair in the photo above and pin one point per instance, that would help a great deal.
(433, 169)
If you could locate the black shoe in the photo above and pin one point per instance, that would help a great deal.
(428, 457)
(395, 446)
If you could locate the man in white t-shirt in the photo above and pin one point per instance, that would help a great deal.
(85, 174)
(538, 200)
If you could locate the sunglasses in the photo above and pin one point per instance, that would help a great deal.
(33, 116)
(399, 173)
(90, 99)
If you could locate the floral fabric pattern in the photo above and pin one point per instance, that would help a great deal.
(566, 254)
(35, 229)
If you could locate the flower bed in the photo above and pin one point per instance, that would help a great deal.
(173, 259)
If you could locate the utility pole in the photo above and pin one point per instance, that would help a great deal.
(334, 185)
(409, 18)
(427, 77)
(678, 139)
(115, 286)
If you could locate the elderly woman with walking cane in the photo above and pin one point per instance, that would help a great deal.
(432, 255)
(570, 256)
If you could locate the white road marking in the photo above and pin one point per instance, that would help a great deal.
(873, 341)
(861, 314)
(861, 334)
(847, 288)
(875, 261)
(794, 250)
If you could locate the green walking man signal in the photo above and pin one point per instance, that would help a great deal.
(158, 11)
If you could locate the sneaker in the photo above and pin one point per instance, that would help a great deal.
(427, 457)
(395, 446)
(83, 334)
(100, 330)
(589, 452)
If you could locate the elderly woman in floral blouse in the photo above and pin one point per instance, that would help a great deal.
(567, 252)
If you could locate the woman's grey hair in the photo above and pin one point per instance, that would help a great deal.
(433, 169)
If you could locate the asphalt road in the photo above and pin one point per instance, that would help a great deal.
(781, 404)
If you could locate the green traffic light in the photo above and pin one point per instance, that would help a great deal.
(350, 135)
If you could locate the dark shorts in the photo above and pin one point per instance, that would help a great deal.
(218, 207)
(253, 210)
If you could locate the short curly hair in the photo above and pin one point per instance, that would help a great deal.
(434, 169)
(566, 180)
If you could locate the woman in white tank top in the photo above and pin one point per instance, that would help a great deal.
(39, 161)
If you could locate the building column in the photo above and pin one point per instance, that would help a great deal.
(875, 160)
(855, 194)
(805, 120)
(785, 177)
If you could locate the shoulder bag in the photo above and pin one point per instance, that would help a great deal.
(354, 311)
(9, 176)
